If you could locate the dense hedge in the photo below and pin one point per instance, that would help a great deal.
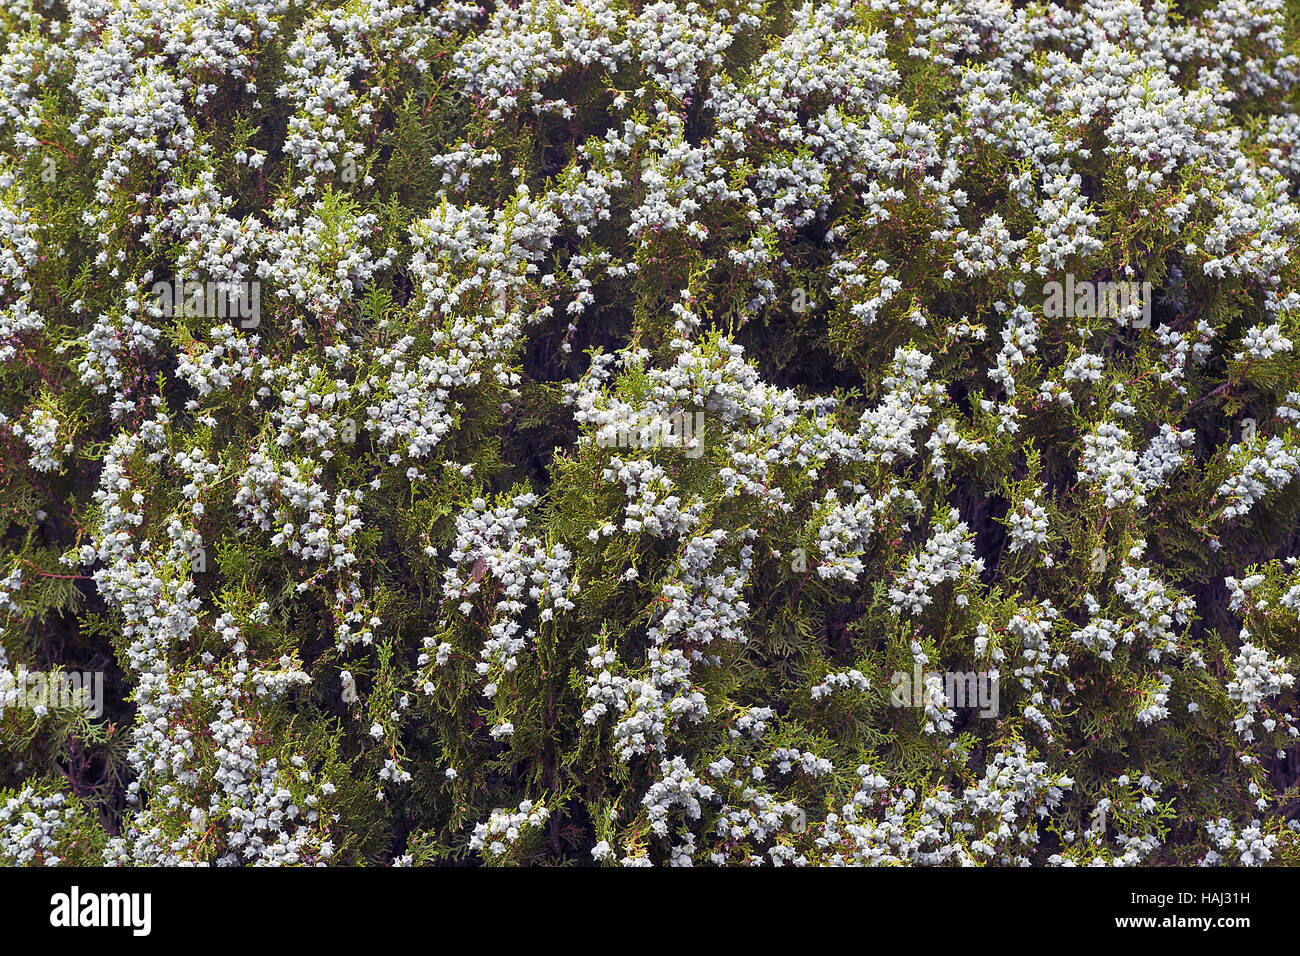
(596, 432)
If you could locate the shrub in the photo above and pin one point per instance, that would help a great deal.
(630, 433)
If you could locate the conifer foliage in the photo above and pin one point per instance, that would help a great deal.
(649, 432)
